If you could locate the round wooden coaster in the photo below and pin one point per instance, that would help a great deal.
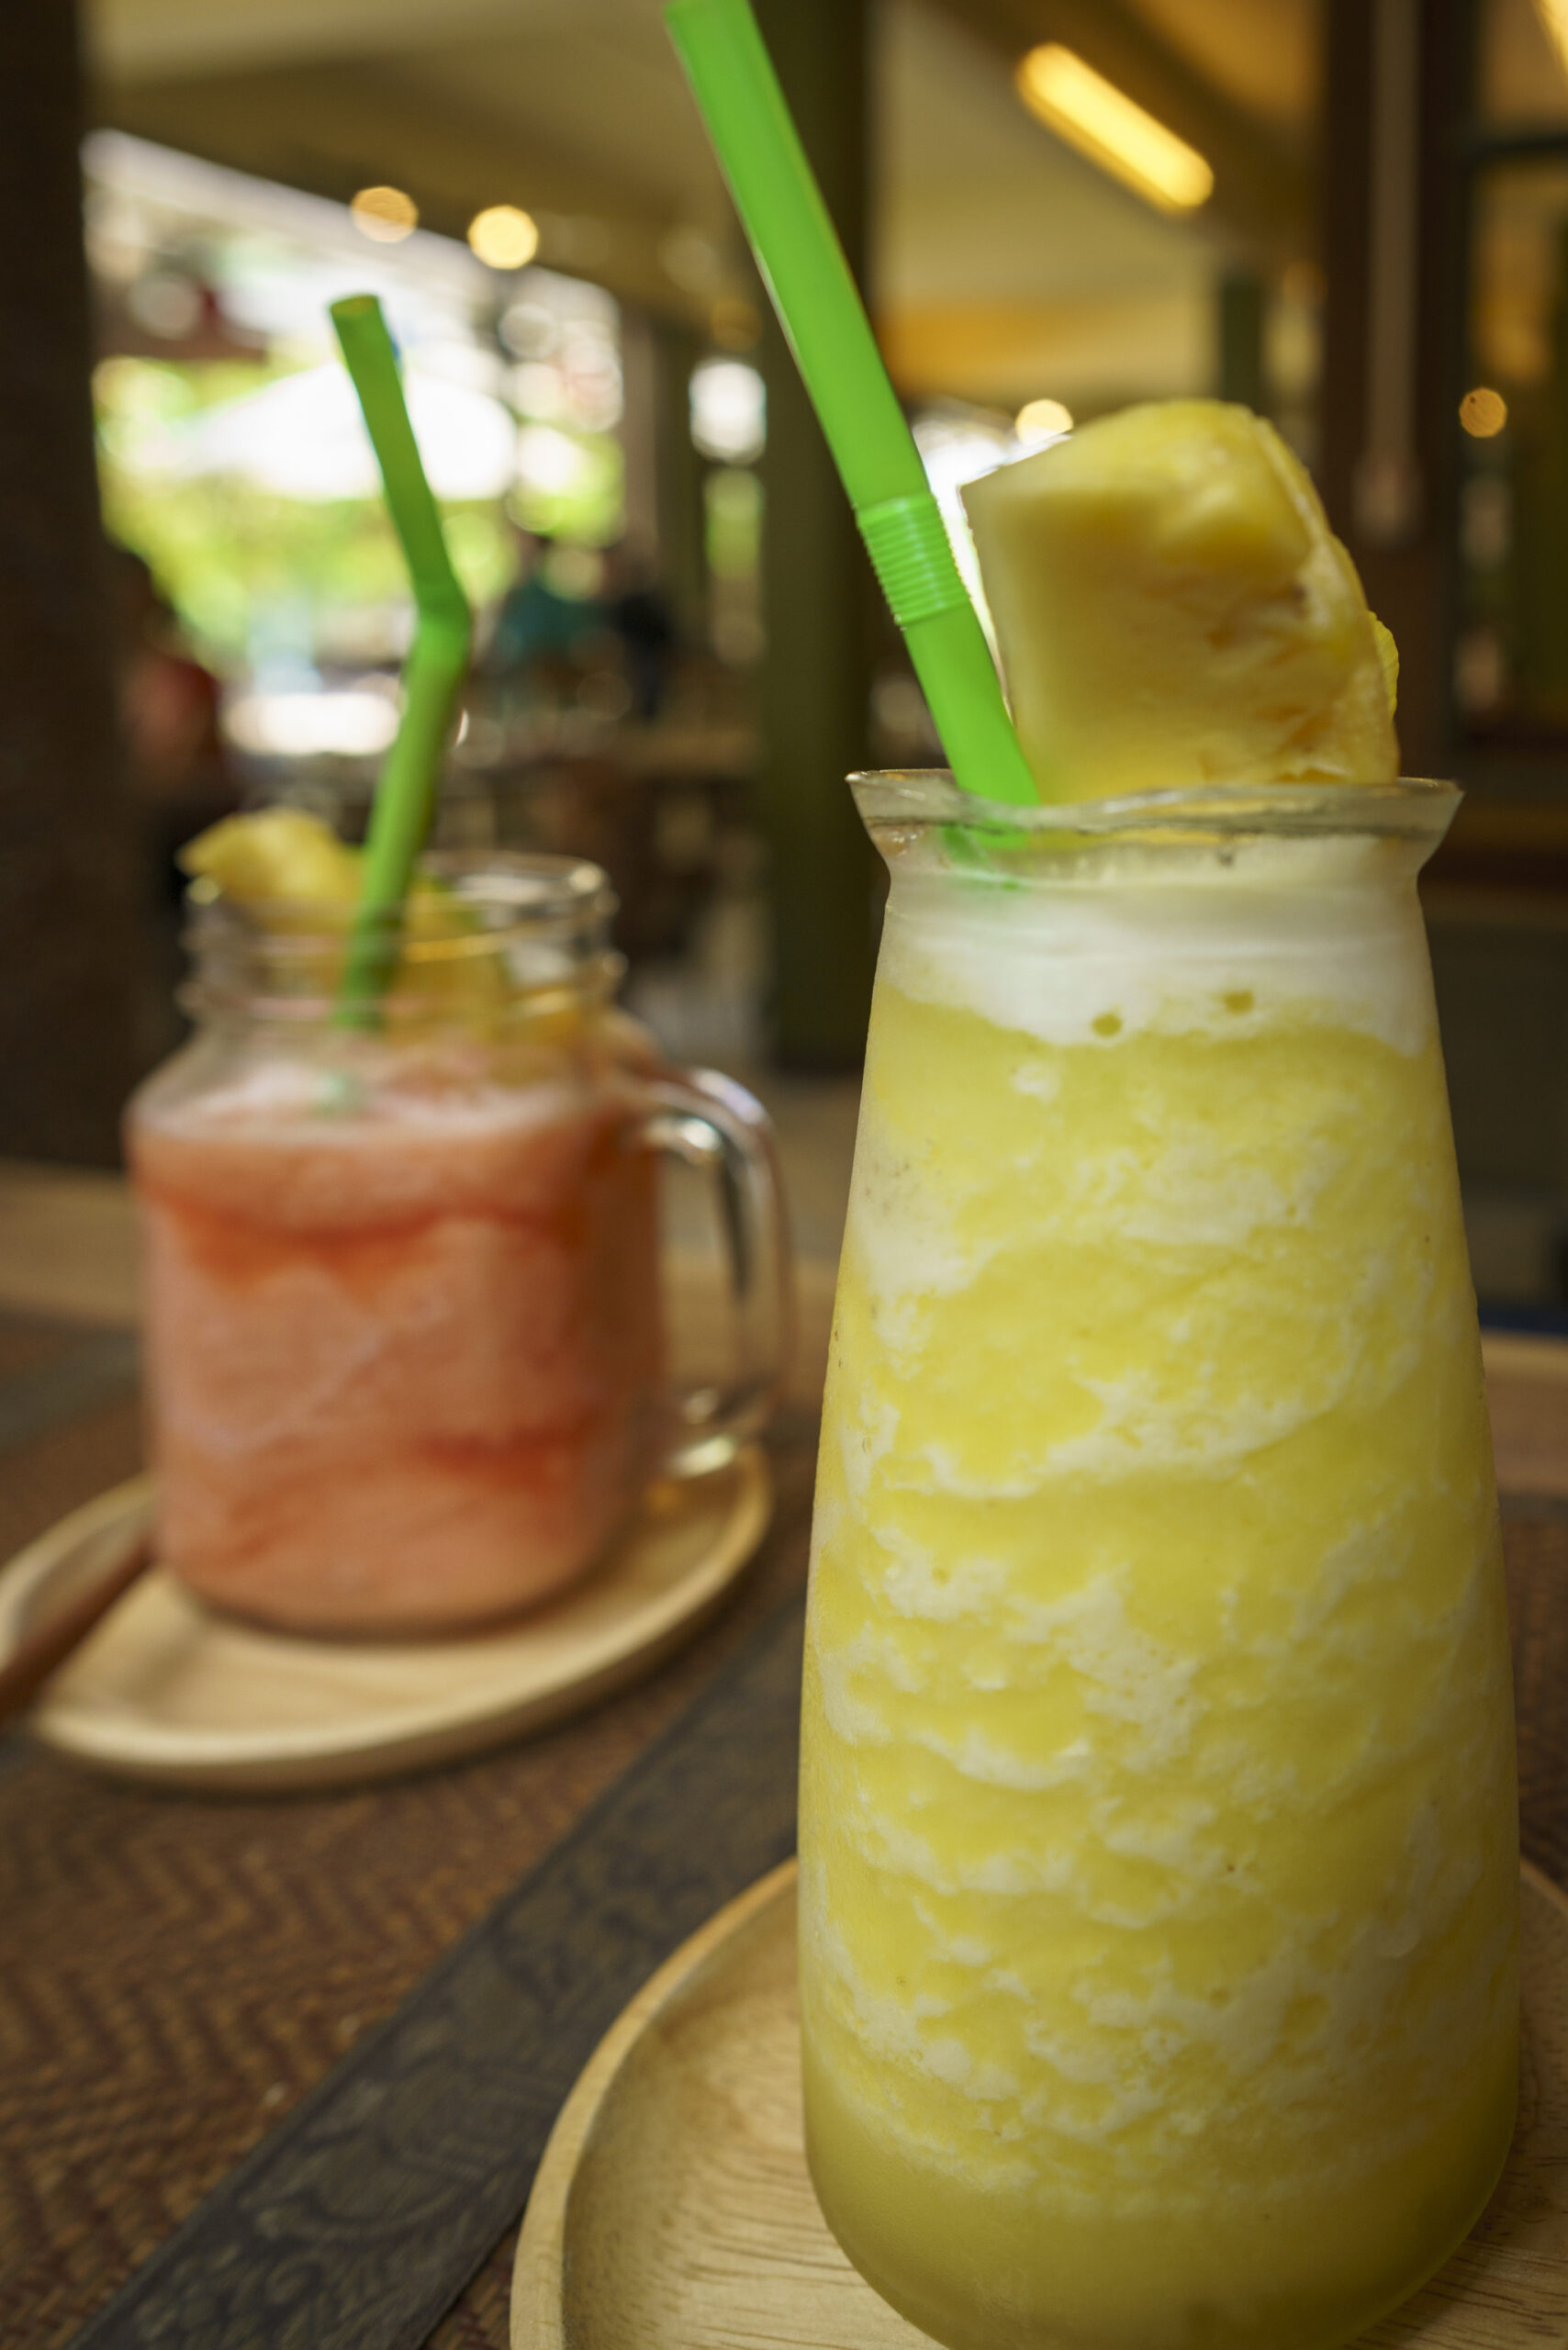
(673, 2207)
(167, 1690)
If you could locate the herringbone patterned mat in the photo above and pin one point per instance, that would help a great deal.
(174, 1972)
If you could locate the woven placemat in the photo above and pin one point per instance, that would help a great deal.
(357, 2222)
(177, 1972)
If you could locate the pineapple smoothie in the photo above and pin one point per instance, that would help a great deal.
(1159, 1844)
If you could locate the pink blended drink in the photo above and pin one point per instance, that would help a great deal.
(406, 1361)
(405, 1350)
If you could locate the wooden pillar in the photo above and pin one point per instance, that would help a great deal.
(1396, 85)
(1240, 297)
(69, 943)
(678, 477)
(639, 451)
(816, 601)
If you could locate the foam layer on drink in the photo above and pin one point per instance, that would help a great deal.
(1158, 1861)
(305, 1148)
(1243, 935)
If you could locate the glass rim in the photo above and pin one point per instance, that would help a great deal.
(541, 920)
(1412, 807)
(517, 890)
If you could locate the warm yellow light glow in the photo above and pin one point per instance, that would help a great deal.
(503, 237)
(1482, 412)
(1553, 15)
(385, 214)
(1108, 127)
(734, 323)
(1042, 420)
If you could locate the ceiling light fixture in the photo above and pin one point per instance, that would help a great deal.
(1112, 129)
(503, 236)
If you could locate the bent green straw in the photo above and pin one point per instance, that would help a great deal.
(432, 674)
(802, 263)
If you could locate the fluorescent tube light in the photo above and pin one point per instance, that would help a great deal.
(1108, 127)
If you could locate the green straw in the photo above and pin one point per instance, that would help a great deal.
(432, 675)
(802, 263)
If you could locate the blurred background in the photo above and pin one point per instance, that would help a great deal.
(1352, 214)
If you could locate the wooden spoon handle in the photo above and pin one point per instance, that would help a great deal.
(27, 1667)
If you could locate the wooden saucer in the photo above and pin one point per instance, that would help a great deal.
(167, 1690)
(673, 2209)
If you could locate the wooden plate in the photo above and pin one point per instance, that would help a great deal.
(673, 2209)
(167, 1690)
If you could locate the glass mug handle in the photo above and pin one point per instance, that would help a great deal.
(713, 1124)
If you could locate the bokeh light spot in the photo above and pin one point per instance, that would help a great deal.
(1042, 420)
(503, 236)
(1482, 412)
(384, 215)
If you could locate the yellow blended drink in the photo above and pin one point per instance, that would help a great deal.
(1159, 1846)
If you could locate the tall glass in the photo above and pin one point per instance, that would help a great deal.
(1157, 1841)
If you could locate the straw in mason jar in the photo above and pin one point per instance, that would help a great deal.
(802, 263)
(432, 675)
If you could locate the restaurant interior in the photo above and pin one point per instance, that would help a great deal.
(614, 381)
(222, 1960)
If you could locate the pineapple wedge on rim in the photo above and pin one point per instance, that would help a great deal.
(276, 855)
(1172, 610)
(285, 861)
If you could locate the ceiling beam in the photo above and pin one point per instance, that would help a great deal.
(1092, 355)
(159, 41)
(1261, 199)
(333, 129)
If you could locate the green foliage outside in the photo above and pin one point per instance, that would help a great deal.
(243, 565)
(733, 498)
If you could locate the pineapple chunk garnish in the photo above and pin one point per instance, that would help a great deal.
(278, 854)
(1172, 610)
(285, 862)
